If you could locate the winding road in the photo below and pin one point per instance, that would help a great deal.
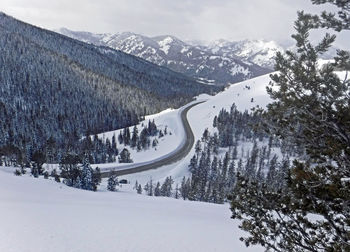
(176, 156)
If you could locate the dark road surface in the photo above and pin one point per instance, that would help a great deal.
(178, 155)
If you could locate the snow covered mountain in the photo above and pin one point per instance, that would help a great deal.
(206, 64)
(259, 52)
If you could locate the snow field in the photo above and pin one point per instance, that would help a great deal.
(41, 215)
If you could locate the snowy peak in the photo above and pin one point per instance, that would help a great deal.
(166, 42)
(259, 52)
(83, 36)
(206, 64)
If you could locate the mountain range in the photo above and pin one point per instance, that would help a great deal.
(220, 62)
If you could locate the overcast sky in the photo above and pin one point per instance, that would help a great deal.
(187, 19)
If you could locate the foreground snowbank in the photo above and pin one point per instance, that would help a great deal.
(42, 215)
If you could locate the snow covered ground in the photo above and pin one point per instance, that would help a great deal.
(42, 215)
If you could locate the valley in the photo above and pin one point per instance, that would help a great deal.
(193, 130)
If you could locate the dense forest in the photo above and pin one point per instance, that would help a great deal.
(54, 90)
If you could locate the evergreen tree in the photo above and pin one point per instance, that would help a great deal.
(124, 156)
(38, 159)
(144, 138)
(55, 176)
(69, 169)
(17, 172)
(177, 190)
(155, 143)
(46, 174)
(152, 128)
(126, 136)
(198, 147)
(121, 137)
(151, 190)
(86, 177)
(157, 190)
(96, 178)
(114, 145)
(139, 189)
(77, 183)
(166, 188)
(134, 138)
(231, 176)
(311, 108)
(272, 172)
(184, 188)
(112, 183)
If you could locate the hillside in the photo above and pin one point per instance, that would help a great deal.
(206, 65)
(57, 88)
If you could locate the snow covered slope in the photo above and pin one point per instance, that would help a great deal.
(260, 52)
(201, 117)
(41, 215)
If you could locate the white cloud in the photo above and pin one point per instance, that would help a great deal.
(187, 19)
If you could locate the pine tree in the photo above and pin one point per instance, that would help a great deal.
(134, 138)
(55, 176)
(38, 159)
(311, 108)
(166, 188)
(17, 172)
(121, 137)
(184, 189)
(46, 174)
(149, 188)
(157, 190)
(272, 172)
(177, 190)
(124, 156)
(86, 176)
(126, 136)
(112, 183)
(139, 189)
(155, 143)
(69, 169)
(77, 183)
(114, 145)
(97, 178)
(231, 176)
(198, 147)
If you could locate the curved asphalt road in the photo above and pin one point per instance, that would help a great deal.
(180, 154)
